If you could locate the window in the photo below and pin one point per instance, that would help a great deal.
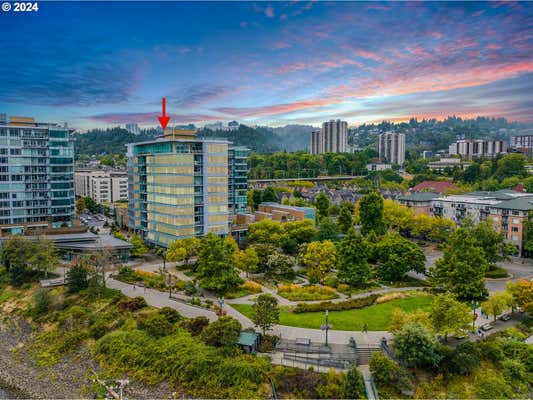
(515, 221)
(514, 229)
(514, 238)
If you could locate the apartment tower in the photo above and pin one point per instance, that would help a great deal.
(391, 147)
(332, 138)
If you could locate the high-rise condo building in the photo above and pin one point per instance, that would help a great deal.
(133, 128)
(180, 186)
(478, 148)
(36, 176)
(391, 147)
(332, 138)
(103, 186)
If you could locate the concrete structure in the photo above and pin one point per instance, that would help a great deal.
(391, 147)
(448, 163)
(181, 186)
(36, 176)
(378, 166)
(332, 138)
(427, 154)
(103, 186)
(133, 128)
(477, 148)
(282, 213)
(522, 142)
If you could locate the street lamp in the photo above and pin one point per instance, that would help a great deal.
(221, 304)
(169, 285)
(326, 327)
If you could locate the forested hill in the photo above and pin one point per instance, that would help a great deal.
(259, 140)
(108, 141)
(430, 134)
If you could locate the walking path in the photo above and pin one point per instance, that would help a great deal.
(367, 377)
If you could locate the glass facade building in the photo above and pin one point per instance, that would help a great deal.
(182, 187)
(36, 176)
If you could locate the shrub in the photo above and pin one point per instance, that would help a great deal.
(267, 343)
(495, 272)
(354, 385)
(195, 325)
(311, 292)
(190, 288)
(133, 304)
(251, 286)
(42, 301)
(387, 373)
(391, 296)
(343, 288)
(462, 360)
(170, 314)
(340, 306)
(223, 332)
(331, 280)
(154, 323)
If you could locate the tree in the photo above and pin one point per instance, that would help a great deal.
(44, 257)
(265, 312)
(462, 268)
(77, 278)
(267, 231)
(415, 345)
(397, 217)
(80, 205)
(90, 204)
(139, 248)
(257, 198)
(269, 195)
(345, 219)
(216, 270)
(387, 373)
(400, 318)
(246, 260)
(522, 294)
(371, 213)
(497, 303)
(449, 315)
(300, 231)
(396, 256)
(319, 258)
(183, 249)
(263, 251)
(511, 165)
(490, 240)
(281, 265)
(354, 385)
(224, 332)
(322, 204)
(353, 254)
(328, 230)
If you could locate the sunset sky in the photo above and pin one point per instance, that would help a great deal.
(268, 63)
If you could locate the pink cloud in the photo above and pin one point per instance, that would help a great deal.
(276, 108)
(280, 45)
(436, 35)
(150, 118)
(269, 12)
(493, 46)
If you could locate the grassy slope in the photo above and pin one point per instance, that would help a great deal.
(377, 317)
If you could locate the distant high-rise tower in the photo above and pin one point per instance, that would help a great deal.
(332, 138)
(133, 128)
(391, 147)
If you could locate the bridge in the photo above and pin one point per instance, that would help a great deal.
(316, 179)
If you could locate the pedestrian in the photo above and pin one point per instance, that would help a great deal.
(365, 328)
(144, 289)
(134, 286)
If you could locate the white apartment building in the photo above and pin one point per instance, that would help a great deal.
(133, 128)
(391, 147)
(102, 186)
(332, 138)
(477, 148)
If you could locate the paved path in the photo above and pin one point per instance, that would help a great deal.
(367, 377)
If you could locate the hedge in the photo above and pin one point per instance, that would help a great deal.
(360, 302)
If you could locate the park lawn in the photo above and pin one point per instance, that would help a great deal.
(377, 317)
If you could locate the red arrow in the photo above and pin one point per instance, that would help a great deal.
(163, 119)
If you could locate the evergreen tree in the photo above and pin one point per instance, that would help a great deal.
(328, 230)
(322, 205)
(345, 219)
(77, 279)
(462, 268)
(269, 195)
(265, 312)
(371, 213)
(354, 385)
(354, 268)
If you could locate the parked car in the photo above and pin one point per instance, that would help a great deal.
(505, 317)
(462, 334)
(487, 327)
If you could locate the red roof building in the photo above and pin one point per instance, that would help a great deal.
(441, 187)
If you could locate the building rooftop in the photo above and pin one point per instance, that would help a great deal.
(278, 205)
(434, 186)
(420, 196)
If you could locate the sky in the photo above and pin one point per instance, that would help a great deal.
(100, 64)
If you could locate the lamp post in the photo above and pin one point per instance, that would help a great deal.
(326, 327)
(221, 305)
(169, 285)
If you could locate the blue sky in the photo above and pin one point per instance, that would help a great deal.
(96, 64)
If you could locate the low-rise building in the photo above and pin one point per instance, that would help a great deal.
(449, 162)
(282, 213)
(441, 187)
(420, 202)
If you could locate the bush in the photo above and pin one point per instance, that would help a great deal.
(495, 272)
(133, 304)
(42, 301)
(195, 325)
(340, 306)
(170, 314)
(354, 385)
(462, 360)
(154, 323)
(388, 374)
(331, 280)
(190, 288)
(311, 292)
(267, 343)
(224, 332)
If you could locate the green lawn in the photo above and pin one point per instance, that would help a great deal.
(377, 317)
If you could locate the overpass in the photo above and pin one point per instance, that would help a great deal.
(317, 179)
